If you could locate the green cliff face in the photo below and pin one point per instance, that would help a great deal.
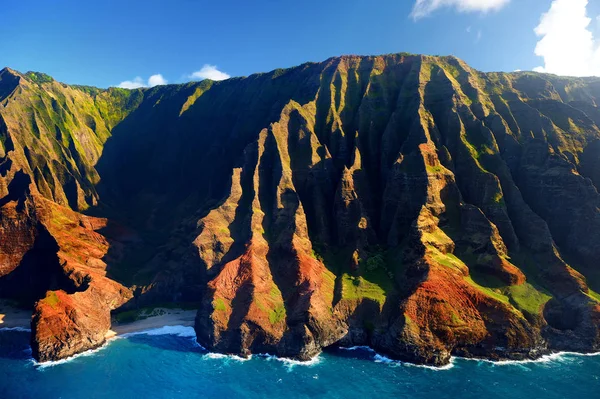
(405, 202)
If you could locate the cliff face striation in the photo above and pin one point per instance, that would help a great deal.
(405, 202)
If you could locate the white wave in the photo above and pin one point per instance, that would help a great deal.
(42, 365)
(213, 355)
(579, 354)
(291, 363)
(358, 347)
(267, 356)
(189, 332)
(378, 358)
(180, 331)
(434, 368)
(20, 329)
(552, 357)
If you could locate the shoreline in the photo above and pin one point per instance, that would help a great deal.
(290, 363)
(548, 357)
(165, 321)
(16, 319)
(161, 317)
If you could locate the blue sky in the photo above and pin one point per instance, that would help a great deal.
(104, 43)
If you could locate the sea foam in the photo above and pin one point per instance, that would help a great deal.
(383, 359)
(551, 357)
(42, 365)
(20, 329)
(379, 358)
(189, 332)
(213, 355)
(291, 363)
(357, 347)
(180, 331)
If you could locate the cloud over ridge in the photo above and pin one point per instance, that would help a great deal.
(209, 72)
(138, 82)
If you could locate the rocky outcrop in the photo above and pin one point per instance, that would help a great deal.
(66, 322)
(51, 255)
(271, 295)
(405, 202)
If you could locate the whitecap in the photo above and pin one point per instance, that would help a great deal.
(378, 358)
(578, 353)
(291, 363)
(357, 347)
(20, 329)
(552, 357)
(214, 355)
(266, 356)
(434, 368)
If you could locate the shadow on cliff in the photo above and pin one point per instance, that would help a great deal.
(168, 162)
(39, 269)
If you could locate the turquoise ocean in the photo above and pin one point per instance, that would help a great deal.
(167, 363)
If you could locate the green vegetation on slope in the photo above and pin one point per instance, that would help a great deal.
(356, 288)
(51, 299)
(527, 298)
(39, 77)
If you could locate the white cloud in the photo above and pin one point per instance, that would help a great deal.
(422, 8)
(156, 80)
(567, 46)
(133, 84)
(138, 82)
(206, 72)
(209, 72)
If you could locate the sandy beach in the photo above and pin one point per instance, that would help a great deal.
(159, 317)
(11, 317)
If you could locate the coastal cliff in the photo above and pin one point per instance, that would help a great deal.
(404, 202)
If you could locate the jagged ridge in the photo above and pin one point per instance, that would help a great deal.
(405, 202)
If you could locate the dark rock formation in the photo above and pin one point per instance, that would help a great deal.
(404, 202)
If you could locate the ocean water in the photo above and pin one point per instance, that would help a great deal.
(166, 363)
